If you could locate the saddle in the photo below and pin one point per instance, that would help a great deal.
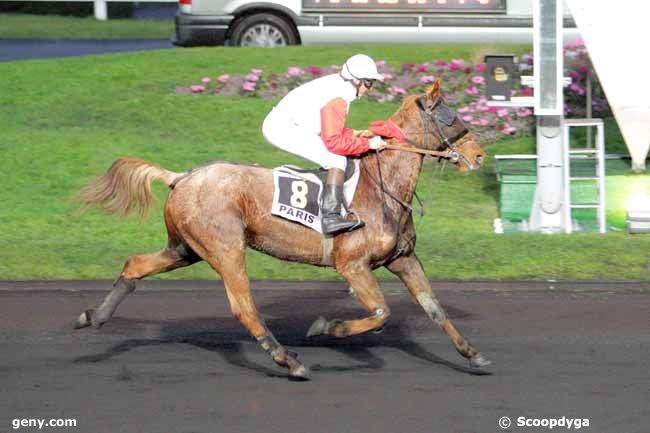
(297, 193)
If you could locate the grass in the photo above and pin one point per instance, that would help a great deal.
(64, 121)
(60, 27)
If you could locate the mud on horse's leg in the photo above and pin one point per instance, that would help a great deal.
(367, 291)
(409, 270)
(135, 268)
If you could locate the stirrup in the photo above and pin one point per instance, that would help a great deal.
(359, 223)
(346, 225)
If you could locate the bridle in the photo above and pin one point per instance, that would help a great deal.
(435, 119)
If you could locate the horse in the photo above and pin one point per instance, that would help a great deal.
(213, 213)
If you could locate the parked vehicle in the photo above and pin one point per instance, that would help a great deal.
(274, 23)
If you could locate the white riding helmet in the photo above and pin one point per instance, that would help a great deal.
(360, 67)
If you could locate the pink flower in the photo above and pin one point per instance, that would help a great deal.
(502, 112)
(579, 43)
(249, 86)
(467, 118)
(480, 67)
(456, 64)
(408, 66)
(423, 67)
(252, 77)
(197, 88)
(294, 71)
(483, 121)
(440, 63)
(314, 70)
(205, 80)
(380, 63)
(526, 91)
(524, 112)
(465, 109)
(482, 100)
(398, 90)
(223, 78)
(478, 79)
(471, 91)
(427, 79)
(388, 76)
(509, 129)
(576, 88)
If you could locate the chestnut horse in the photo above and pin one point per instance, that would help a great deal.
(214, 212)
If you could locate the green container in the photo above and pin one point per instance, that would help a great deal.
(623, 189)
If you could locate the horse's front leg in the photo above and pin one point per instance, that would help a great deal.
(366, 288)
(409, 270)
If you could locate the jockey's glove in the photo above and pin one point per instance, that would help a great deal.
(376, 143)
(363, 133)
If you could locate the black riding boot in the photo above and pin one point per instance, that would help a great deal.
(332, 220)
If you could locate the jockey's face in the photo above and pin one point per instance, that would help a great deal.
(363, 86)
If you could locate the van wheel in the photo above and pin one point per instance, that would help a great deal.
(263, 30)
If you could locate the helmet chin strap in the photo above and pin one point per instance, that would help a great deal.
(356, 86)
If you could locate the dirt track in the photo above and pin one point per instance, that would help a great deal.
(176, 361)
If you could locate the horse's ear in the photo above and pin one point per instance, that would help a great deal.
(434, 90)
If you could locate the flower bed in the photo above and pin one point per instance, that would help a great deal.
(463, 85)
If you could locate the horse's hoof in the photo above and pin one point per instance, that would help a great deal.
(319, 327)
(479, 361)
(84, 320)
(299, 372)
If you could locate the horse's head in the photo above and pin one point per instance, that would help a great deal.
(430, 124)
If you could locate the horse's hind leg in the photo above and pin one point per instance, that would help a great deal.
(136, 268)
(367, 291)
(409, 270)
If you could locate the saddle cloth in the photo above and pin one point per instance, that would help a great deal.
(297, 193)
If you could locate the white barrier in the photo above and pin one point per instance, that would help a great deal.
(101, 10)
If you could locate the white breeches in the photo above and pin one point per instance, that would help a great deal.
(285, 134)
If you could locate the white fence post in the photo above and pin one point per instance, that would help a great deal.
(100, 10)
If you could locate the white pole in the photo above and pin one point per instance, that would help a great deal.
(100, 10)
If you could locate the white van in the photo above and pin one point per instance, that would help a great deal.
(273, 23)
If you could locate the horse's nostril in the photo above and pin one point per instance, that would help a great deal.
(479, 159)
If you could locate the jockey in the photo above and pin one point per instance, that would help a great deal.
(310, 122)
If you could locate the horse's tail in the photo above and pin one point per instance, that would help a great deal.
(125, 187)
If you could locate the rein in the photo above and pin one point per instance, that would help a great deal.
(447, 153)
(380, 182)
(429, 116)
